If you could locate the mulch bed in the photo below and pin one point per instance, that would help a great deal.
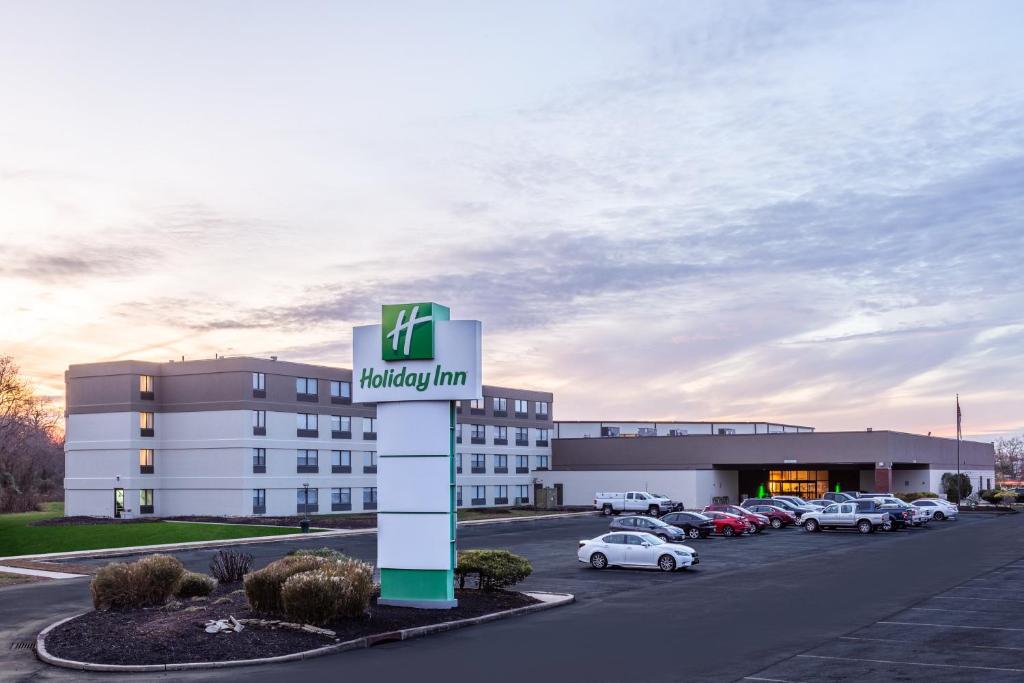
(77, 520)
(175, 633)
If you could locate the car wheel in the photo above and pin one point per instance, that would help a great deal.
(728, 531)
(666, 563)
(663, 537)
(887, 525)
(693, 533)
(939, 516)
(598, 561)
(776, 523)
(607, 510)
(812, 525)
(864, 526)
(653, 511)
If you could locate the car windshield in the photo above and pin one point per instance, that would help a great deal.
(659, 495)
(797, 500)
(653, 540)
(658, 522)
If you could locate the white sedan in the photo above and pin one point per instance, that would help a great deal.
(938, 508)
(635, 549)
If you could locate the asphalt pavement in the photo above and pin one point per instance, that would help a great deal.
(783, 605)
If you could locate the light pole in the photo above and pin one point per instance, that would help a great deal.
(305, 508)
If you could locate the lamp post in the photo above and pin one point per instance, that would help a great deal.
(304, 524)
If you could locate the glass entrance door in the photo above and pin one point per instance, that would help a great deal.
(808, 484)
(118, 502)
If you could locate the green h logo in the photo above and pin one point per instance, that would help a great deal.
(407, 330)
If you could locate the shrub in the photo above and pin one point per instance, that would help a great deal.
(949, 486)
(493, 569)
(194, 584)
(263, 587)
(327, 553)
(146, 582)
(915, 495)
(988, 495)
(230, 566)
(1006, 497)
(340, 590)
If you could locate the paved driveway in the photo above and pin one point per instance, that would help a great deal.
(754, 603)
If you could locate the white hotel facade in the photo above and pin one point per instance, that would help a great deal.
(244, 436)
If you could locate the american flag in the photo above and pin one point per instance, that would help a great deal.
(959, 416)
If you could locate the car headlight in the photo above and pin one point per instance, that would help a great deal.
(681, 553)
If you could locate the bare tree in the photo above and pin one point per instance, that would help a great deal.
(31, 445)
(1010, 459)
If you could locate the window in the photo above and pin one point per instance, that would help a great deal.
(259, 385)
(500, 406)
(145, 501)
(458, 495)
(479, 463)
(369, 462)
(341, 499)
(370, 498)
(500, 435)
(522, 464)
(259, 460)
(259, 501)
(146, 387)
(341, 427)
(307, 460)
(501, 495)
(542, 462)
(522, 494)
(369, 427)
(341, 462)
(522, 407)
(808, 484)
(501, 464)
(458, 463)
(541, 408)
(306, 424)
(306, 500)
(542, 437)
(726, 430)
(478, 434)
(522, 436)
(146, 461)
(341, 392)
(458, 433)
(145, 424)
(479, 496)
(259, 423)
(305, 388)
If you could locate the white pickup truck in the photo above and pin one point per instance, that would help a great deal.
(614, 502)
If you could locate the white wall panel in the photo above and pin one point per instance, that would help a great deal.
(428, 548)
(407, 428)
(414, 484)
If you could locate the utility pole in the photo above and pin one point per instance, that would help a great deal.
(959, 485)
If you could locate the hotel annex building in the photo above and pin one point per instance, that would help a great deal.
(244, 436)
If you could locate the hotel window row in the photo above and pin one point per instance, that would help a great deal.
(308, 499)
(478, 435)
(307, 425)
(307, 389)
(499, 407)
(478, 463)
(478, 495)
(307, 461)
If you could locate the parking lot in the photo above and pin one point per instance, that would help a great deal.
(783, 605)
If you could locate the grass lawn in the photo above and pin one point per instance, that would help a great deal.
(17, 538)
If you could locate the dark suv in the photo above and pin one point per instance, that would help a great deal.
(901, 517)
(651, 525)
(694, 524)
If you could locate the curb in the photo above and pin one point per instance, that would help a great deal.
(195, 545)
(548, 601)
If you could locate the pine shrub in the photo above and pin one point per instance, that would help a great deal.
(493, 569)
(193, 584)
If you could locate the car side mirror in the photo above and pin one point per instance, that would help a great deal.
(645, 544)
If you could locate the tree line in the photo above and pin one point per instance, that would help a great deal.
(31, 444)
(1010, 459)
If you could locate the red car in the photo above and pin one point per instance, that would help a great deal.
(759, 521)
(778, 517)
(728, 524)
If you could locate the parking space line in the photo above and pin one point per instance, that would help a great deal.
(971, 597)
(770, 680)
(958, 611)
(974, 628)
(976, 588)
(890, 661)
(979, 647)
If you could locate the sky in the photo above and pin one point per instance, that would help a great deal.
(805, 212)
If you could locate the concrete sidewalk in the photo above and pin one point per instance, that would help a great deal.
(38, 572)
(321, 533)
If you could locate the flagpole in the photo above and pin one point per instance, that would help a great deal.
(959, 485)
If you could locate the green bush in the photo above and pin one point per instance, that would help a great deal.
(144, 583)
(988, 495)
(340, 590)
(326, 553)
(949, 486)
(915, 495)
(263, 587)
(493, 569)
(1005, 497)
(194, 584)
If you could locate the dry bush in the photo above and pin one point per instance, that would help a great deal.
(263, 587)
(146, 582)
(194, 584)
(340, 590)
(229, 566)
